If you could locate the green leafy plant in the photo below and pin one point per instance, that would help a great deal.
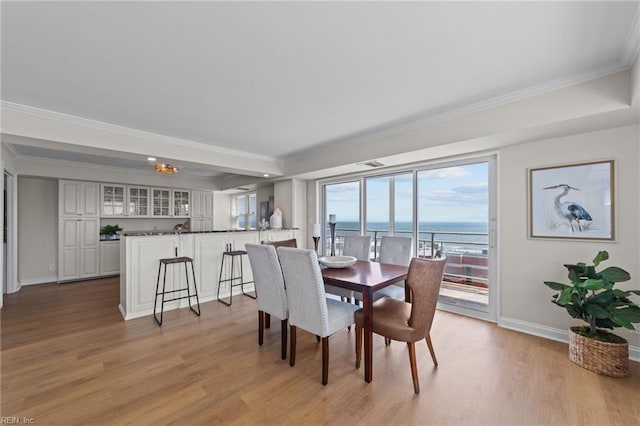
(110, 229)
(592, 298)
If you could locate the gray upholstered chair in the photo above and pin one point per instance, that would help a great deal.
(309, 308)
(358, 247)
(270, 292)
(408, 322)
(396, 251)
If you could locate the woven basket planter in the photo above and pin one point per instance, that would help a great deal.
(609, 359)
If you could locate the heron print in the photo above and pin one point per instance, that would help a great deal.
(570, 211)
(572, 201)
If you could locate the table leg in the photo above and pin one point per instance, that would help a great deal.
(367, 311)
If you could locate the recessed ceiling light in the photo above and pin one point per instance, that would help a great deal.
(265, 175)
(151, 158)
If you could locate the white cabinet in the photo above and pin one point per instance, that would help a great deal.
(77, 198)
(161, 202)
(79, 252)
(201, 210)
(112, 199)
(137, 201)
(78, 230)
(181, 205)
(167, 202)
(109, 257)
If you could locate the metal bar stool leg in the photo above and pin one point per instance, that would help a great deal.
(155, 299)
(220, 281)
(242, 283)
(195, 289)
(164, 282)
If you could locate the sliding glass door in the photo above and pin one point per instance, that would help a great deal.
(447, 209)
(453, 220)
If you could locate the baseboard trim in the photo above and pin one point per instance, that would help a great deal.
(39, 280)
(551, 333)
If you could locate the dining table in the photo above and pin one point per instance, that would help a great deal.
(366, 277)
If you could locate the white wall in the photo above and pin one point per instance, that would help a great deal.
(221, 211)
(525, 263)
(37, 229)
(290, 197)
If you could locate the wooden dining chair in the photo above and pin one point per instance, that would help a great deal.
(408, 322)
(284, 243)
(309, 308)
(270, 292)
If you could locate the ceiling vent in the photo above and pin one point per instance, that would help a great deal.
(372, 163)
(242, 189)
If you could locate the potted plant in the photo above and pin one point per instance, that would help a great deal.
(591, 297)
(110, 231)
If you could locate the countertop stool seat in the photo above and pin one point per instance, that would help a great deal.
(170, 261)
(233, 254)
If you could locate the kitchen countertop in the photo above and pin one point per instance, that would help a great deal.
(176, 232)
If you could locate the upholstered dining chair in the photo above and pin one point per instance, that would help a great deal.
(404, 321)
(270, 292)
(396, 251)
(309, 308)
(358, 247)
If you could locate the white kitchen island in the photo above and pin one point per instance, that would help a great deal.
(141, 251)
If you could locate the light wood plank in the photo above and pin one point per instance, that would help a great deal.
(68, 357)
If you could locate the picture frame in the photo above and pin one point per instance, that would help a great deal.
(573, 201)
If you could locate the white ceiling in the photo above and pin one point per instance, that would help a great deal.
(279, 78)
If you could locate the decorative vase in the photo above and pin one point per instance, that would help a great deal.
(609, 359)
(276, 219)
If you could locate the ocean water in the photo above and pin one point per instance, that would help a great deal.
(442, 237)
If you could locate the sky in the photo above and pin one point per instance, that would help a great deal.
(452, 194)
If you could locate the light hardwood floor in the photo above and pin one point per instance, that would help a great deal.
(69, 358)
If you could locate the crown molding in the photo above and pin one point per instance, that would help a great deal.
(429, 118)
(10, 148)
(100, 125)
(632, 42)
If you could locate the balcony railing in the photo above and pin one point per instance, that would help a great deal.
(466, 252)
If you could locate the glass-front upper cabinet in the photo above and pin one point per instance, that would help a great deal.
(112, 200)
(180, 202)
(137, 201)
(160, 199)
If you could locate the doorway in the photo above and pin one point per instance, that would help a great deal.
(9, 252)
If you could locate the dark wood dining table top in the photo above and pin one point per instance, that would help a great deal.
(365, 274)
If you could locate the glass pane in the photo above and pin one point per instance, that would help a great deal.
(241, 205)
(343, 201)
(453, 215)
(403, 205)
(377, 205)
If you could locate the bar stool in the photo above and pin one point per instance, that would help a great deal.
(171, 261)
(233, 254)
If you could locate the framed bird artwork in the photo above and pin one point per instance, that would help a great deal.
(573, 201)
